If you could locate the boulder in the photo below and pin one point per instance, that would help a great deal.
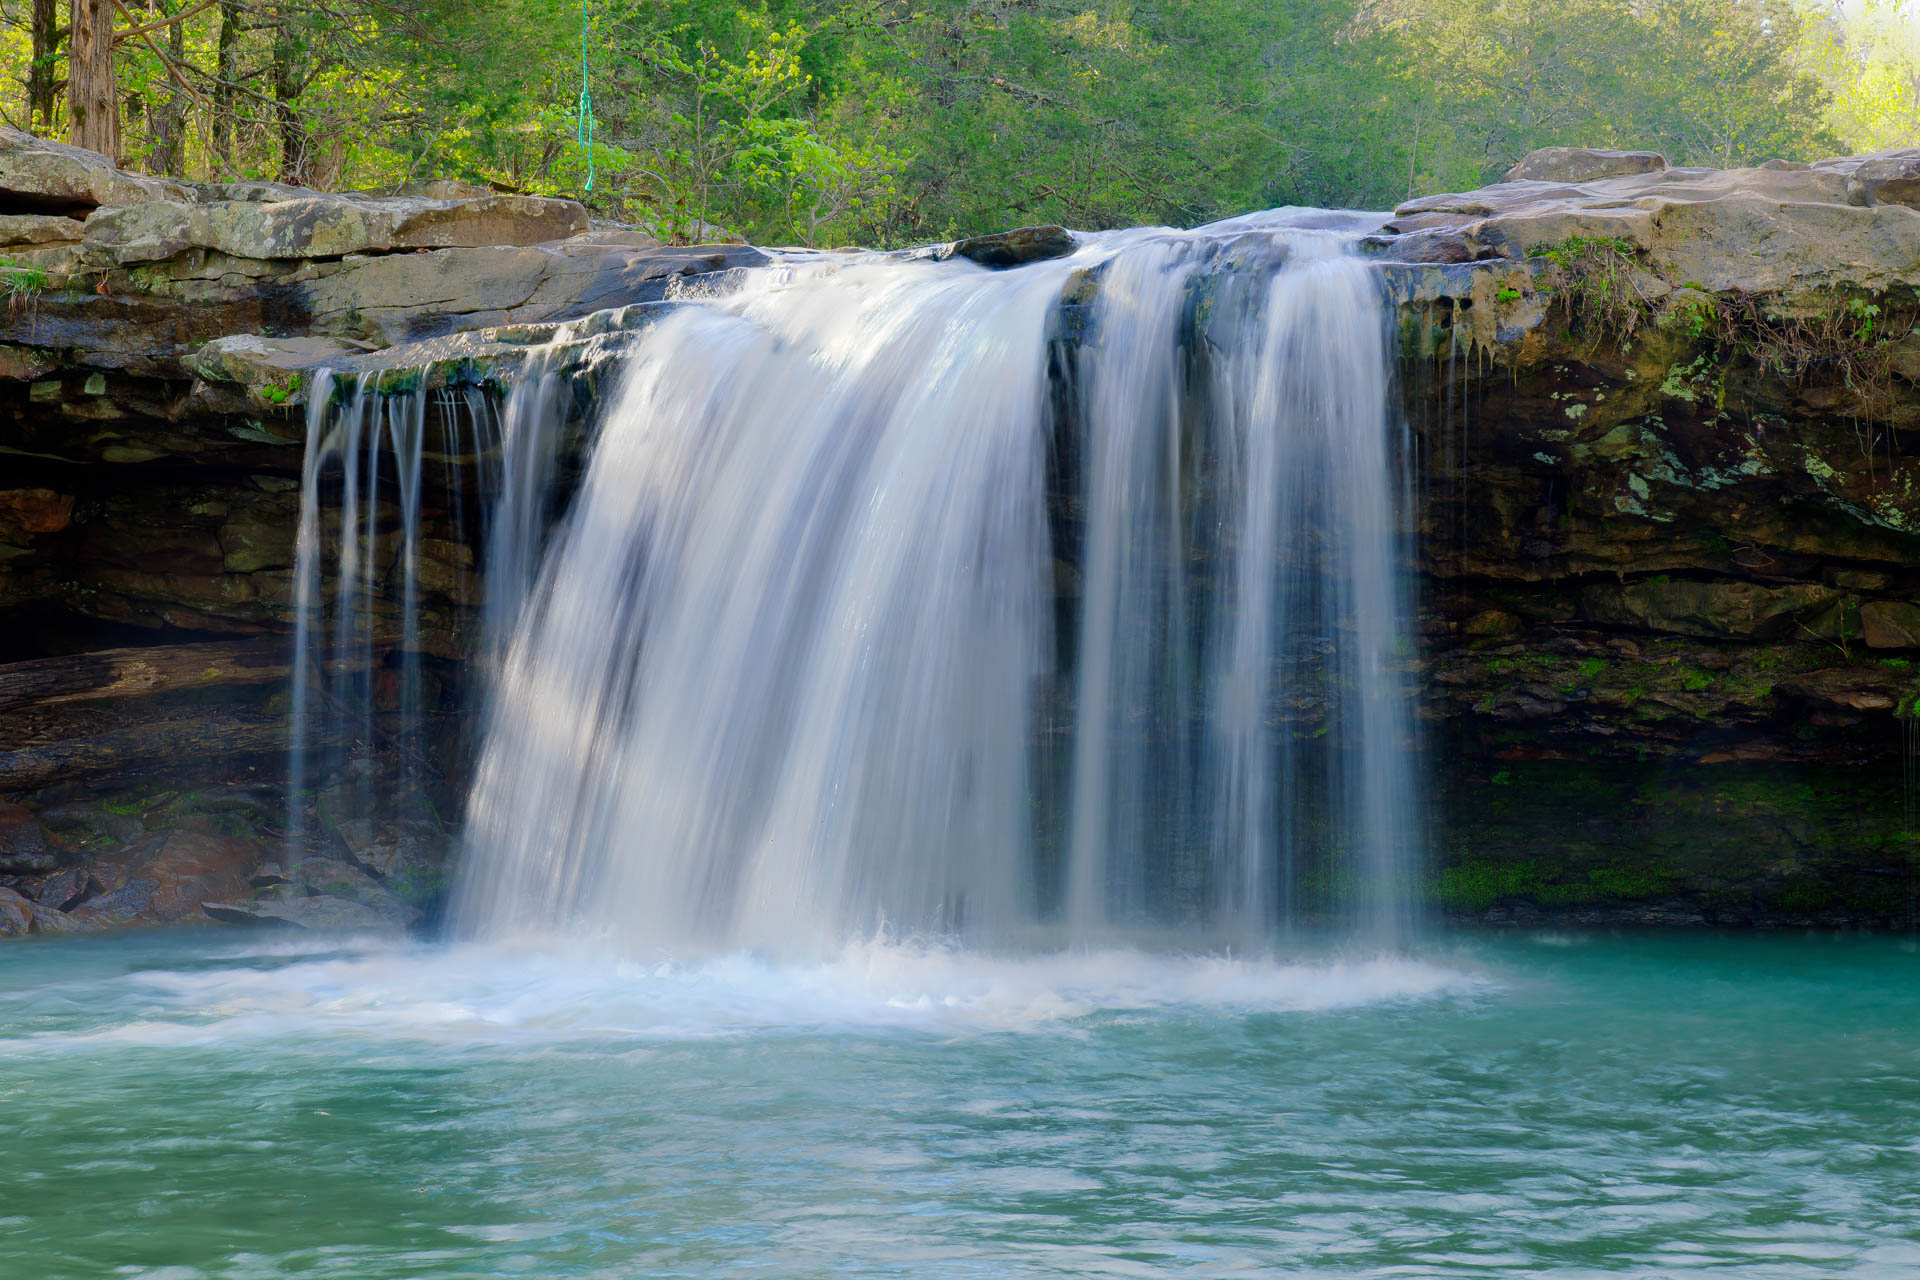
(16, 915)
(61, 888)
(24, 850)
(34, 511)
(408, 855)
(1012, 248)
(19, 917)
(1583, 164)
(190, 868)
(324, 877)
(1887, 177)
(1890, 624)
(42, 177)
(1722, 610)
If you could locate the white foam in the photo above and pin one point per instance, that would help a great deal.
(493, 994)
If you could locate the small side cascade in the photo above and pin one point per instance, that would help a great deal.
(410, 499)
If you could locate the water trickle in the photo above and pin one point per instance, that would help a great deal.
(791, 669)
(385, 472)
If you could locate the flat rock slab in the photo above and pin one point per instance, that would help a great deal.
(322, 912)
(43, 177)
(324, 226)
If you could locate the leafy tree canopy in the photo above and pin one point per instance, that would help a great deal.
(892, 121)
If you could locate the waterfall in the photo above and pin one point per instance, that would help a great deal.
(360, 750)
(867, 547)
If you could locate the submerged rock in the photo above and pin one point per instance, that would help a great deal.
(318, 911)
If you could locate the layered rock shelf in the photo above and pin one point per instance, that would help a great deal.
(1670, 534)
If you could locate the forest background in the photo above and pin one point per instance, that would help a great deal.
(885, 122)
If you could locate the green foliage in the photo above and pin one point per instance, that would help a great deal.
(895, 121)
(21, 279)
(281, 392)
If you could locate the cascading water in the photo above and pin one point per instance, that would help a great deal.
(358, 693)
(783, 678)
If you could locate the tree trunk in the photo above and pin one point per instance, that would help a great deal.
(228, 70)
(43, 86)
(170, 123)
(287, 74)
(93, 100)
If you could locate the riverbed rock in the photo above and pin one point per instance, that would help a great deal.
(322, 912)
(16, 915)
(24, 849)
(327, 878)
(170, 884)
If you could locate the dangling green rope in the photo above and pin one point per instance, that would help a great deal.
(586, 101)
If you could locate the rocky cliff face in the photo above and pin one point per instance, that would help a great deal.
(1669, 533)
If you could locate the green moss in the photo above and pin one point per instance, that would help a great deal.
(281, 392)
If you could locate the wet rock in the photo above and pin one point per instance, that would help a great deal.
(34, 511)
(16, 915)
(1847, 692)
(1583, 164)
(62, 889)
(188, 869)
(1491, 623)
(327, 878)
(409, 855)
(24, 850)
(319, 912)
(1890, 624)
(19, 917)
(1013, 248)
(280, 368)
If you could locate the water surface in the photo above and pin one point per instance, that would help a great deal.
(210, 1106)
